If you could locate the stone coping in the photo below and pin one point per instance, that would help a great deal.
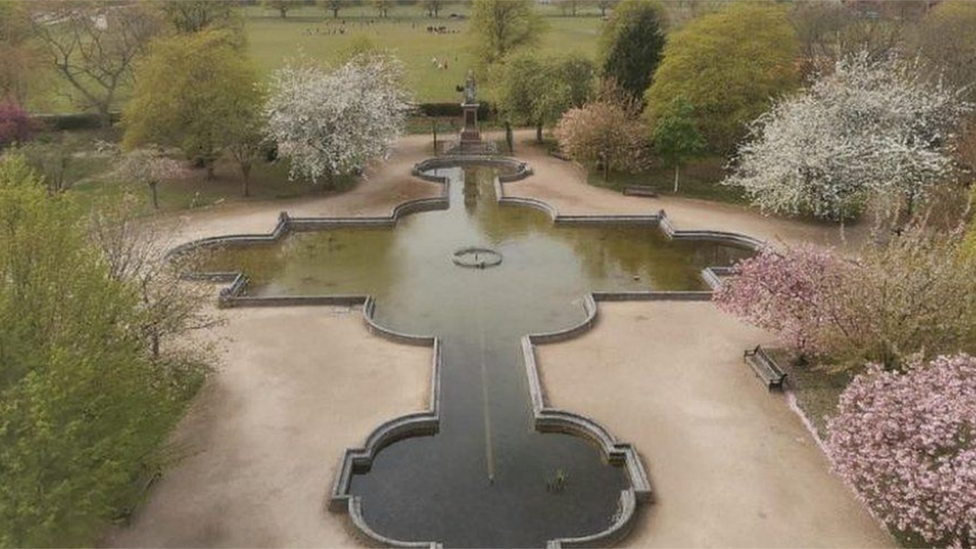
(427, 422)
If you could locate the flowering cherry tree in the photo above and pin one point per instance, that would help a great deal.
(788, 292)
(149, 166)
(607, 132)
(874, 127)
(907, 443)
(914, 294)
(330, 123)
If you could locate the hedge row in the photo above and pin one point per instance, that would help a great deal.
(85, 120)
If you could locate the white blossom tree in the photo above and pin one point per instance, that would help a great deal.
(149, 166)
(331, 123)
(874, 127)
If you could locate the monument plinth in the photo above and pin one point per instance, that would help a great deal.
(470, 139)
(470, 134)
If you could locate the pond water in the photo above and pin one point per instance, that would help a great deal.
(487, 479)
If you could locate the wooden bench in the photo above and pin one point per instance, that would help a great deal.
(640, 190)
(765, 367)
(556, 154)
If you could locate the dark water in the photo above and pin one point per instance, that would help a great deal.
(482, 481)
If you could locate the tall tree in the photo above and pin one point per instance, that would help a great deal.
(86, 407)
(333, 123)
(604, 5)
(676, 139)
(335, 6)
(731, 65)
(93, 46)
(871, 129)
(498, 27)
(537, 91)
(192, 91)
(630, 45)
(281, 6)
(19, 56)
(190, 16)
(433, 7)
(382, 7)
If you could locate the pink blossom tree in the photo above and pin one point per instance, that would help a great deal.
(15, 124)
(787, 292)
(907, 443)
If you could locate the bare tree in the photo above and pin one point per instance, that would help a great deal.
(134, 250)
(93, 45)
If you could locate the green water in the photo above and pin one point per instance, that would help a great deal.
(482, 480)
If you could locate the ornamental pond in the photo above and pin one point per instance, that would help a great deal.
(487, 478)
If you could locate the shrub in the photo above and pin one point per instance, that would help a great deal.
(907, 443)
(605, 133)
(913, 294)
(15, 124)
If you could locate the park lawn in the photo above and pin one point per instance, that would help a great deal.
(305, 32)
(699, 179)
(269, 181)
(272, 41)
(817, 388)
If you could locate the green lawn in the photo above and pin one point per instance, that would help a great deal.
(699, 179)
(311, 32)
(273, 40)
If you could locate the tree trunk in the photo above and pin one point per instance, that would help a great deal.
(210, 170)
(538, 132)
(246, 180)
(284, 13)
(677, 169)
(155, 345)
(606, 168)
(335, 13)
(329, 181)
(155, 195)
(104, 116)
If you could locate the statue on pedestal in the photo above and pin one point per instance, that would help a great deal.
(470, 88)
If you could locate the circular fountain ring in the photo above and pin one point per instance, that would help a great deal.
(475, 257)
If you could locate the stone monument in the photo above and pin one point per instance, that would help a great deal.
(470, 137)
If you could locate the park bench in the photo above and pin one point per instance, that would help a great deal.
(555, 153)
(765, 367)
(640, 190)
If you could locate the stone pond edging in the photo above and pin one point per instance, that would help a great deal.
(427, 422)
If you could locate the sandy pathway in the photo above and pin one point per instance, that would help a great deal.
(563, 185)
(731, 465)
(388, 184)
(262, 442)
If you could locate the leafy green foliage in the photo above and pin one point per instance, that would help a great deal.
(191, 16)
(282, 6)
(196, 92)
(676, 138)
(730, 65)
(83, 406)
(631, 44)
(537, 91)
(498, 27)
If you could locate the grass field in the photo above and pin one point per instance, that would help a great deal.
(273, 40)
(312, 32)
